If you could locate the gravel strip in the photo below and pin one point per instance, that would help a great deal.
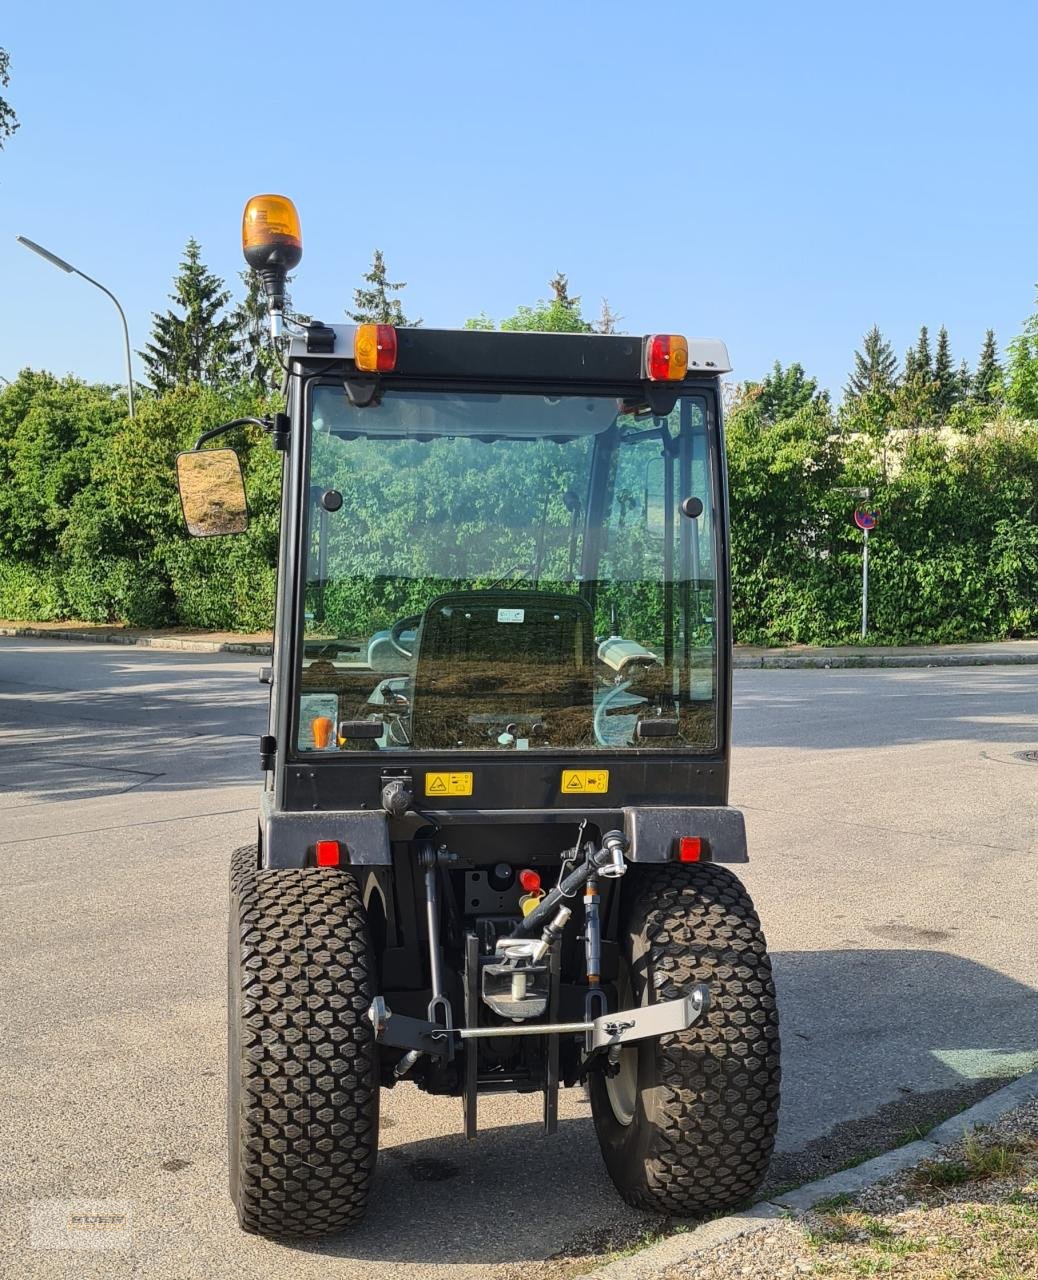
(911, 1117)
(977, 1230)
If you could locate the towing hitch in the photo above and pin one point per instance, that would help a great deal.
(605, 1032)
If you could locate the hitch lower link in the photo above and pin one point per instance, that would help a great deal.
(520, 982)
(605, 1032)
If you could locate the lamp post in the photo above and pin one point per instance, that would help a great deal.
(67, 266)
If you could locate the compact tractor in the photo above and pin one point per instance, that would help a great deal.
(494, 840)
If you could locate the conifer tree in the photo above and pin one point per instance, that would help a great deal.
(559, 285)
(989, 371)
(256, 358)
(8, 120)
(199, 343)
(944, 373)
(373, 305)
(923, 360)
(963, 380)
(875, 366)
(608, 320)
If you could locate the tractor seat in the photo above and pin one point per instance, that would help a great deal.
(489, 659)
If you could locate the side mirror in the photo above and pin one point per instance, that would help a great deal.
(212, 492)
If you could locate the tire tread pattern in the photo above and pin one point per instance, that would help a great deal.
(716, 1110)
(308, 1102)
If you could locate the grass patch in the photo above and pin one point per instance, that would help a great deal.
(838, 1230)
(819, 1238)
(915, 1133)
(981, 1159)
(901, 1246)
(993, 1159)
(940, 1173)
(871, 1266)
(834, 1202)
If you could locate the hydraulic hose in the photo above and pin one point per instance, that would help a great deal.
(607, 861)
(546, 908)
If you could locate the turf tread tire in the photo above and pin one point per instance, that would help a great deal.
(704, 1125)
(302, 1063)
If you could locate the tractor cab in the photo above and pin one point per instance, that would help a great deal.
(507, 568)
(496, 768)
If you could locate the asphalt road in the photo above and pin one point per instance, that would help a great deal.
(893, 836)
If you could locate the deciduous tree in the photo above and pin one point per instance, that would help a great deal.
(784, 392)
(1022, 370)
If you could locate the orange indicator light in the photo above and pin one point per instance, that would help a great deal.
(374, 348)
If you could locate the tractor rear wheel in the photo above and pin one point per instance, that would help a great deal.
(687, 1124)
(302, 1090)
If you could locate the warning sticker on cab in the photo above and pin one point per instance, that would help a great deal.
(448, 784)
(584, 780)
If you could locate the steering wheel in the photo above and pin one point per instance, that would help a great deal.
(397, 630)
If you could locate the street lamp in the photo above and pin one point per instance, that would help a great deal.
(67, 266)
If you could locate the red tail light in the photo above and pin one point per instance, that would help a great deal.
(690, 848)
(328, 853)
(666, 357)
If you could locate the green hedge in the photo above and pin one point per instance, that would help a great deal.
(954, 556)
(90, 522)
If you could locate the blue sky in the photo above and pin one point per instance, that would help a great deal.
(781, 176)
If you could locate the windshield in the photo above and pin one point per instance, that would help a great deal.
(508, 572)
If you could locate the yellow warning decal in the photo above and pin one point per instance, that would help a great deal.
(584, 780)
(448, 784)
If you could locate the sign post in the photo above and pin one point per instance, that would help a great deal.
(865, 520)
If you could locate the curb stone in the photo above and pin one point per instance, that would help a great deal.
(861, 660)
(817, 659)
(851, 1181)
(675, 1250)
(186, 644)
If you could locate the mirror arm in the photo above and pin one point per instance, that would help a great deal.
(277, 426)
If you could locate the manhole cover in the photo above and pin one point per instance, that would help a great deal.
(1028, 757)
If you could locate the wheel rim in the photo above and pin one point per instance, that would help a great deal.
(622, 1088)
